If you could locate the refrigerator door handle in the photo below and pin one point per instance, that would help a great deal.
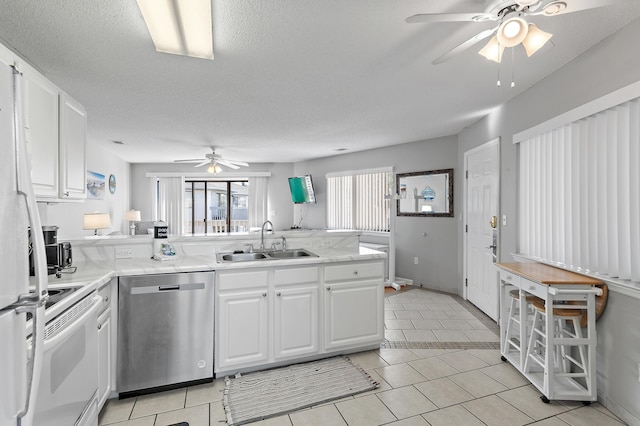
(25, 188)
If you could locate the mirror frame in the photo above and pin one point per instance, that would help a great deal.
(426, 214)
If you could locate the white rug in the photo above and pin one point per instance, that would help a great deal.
(264, 394)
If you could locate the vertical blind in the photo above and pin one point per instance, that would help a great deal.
(357, 201)
(579, 194)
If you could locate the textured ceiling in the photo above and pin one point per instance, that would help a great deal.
(291, 79)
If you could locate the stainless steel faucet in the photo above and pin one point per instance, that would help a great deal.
(284, 243)
(262, 233)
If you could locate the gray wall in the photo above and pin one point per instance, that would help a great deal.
(280, 205)
(611, 65)
(437, 252)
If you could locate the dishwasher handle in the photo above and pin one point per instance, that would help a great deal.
(146, 289)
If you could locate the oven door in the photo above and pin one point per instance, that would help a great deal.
(69, 382)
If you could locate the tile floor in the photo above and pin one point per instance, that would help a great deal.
(439, 365)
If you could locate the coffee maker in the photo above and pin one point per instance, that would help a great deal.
(59, 255)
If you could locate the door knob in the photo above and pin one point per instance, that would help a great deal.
(494, 221)
(492, 247)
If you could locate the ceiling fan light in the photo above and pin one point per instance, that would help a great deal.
(536, 38)
(214, 168)
(493, 50)
(512, 32)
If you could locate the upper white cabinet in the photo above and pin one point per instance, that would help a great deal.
(72, 155)
(55, 130)
(41, 132)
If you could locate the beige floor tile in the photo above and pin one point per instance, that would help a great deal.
(393, 307)
(378, 378)
(428, 353)
(551, 421)
(443, 392)
(527, 399)
(455, 306)
(406, 402)
(159, 402)
(434, 315)
(506, 374)
(195, 416)
(400, 375)
(395, 336)
(397, 356)
(217, 415)
(398, 324)
(461, 315)
(367, 360)
(420, 336)
(481, 335)
(388, 314)
(436, 306)
(451, 336)
(456, 415)
(455, 324)
(367, 411)
(116, 410)
(412, 421)
(494, 411)
(275, 421)
(490, 356)
(463, 361)
(205, 393)
(476, 324)
(408, 314)
(410, 306)
(142, 421)
(327, 415)
(588, 416)
(433, 368)
(427, 324)
(477, 383)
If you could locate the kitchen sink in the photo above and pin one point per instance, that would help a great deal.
(265, 255)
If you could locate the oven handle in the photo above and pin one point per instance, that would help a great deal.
(75, 325)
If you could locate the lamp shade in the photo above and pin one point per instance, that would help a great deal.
(512, 31)
(493, 50)
(96, 221)
(536, 38)
(132, 216)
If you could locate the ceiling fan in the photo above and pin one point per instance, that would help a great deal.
(214, 161)
(512, 29)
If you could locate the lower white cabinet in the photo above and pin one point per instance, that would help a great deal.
(105, 350)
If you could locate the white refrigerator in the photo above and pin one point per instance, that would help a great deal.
(20, 358)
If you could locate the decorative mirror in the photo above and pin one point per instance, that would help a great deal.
(428, 193)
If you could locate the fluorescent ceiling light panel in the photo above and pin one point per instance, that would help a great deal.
(180, 27)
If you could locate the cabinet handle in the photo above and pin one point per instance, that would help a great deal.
(106, 299)
(355, 272)
(99, 326)
(278, 294)
(328, 288)
(264, 294)
(66, 194)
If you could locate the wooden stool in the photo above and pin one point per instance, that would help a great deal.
(563, 357)
(511, 341)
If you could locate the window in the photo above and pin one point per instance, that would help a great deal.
(357, 200)
(212, 207)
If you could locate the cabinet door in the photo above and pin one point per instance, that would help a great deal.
(104, 357)
(73, 135)
(296, 321)
(243, 328)
(41, 133)
(353, 313)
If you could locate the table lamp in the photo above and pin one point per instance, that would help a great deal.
(132, 216)
(96, 221)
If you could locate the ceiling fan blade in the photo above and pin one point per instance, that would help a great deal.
(238, 163)
(555, 7)
(193, 160)
(450, 17)
(228, 164)
(465, 45)
(203, 163)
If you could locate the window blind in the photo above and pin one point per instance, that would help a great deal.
(579, 194)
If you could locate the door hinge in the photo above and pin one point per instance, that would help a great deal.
(466, 282)
(466, 228)
(466, 174)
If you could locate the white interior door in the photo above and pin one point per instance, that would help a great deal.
(482, 188)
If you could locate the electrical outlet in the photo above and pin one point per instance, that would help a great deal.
(124, 253)
(504, 220)
(415, 261)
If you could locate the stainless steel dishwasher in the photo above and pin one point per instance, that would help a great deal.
(165, 331)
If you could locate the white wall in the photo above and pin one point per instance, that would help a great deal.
(68, 216)
(437, 252)
(611, 65)
(280, 208)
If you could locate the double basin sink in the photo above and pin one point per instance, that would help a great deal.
(265, 255)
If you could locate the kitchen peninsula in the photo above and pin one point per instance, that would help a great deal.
(266, 312)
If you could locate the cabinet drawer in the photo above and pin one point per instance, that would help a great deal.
(296, 276)
(509, 278)
(534, 288)
(242, 280)
(356, 271)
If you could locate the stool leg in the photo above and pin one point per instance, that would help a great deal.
(537, 317)
(510, 321)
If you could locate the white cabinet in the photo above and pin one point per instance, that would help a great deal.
(72, 156)
(41, 132)
(353, 304)
(242, 319)
(55, 130)
(105, 349)
(296, 312)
